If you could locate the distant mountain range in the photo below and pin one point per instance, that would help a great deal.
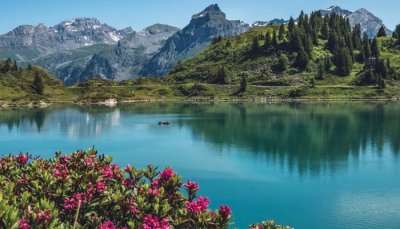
(82, 48)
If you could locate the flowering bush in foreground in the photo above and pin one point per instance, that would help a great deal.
(84, 190)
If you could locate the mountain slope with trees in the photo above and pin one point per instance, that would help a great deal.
(315, 50)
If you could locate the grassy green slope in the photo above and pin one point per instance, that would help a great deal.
(232, 54)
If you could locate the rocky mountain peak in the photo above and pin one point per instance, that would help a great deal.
(334, 9)
(211, 12)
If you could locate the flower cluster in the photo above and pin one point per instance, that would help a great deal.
(86, 190)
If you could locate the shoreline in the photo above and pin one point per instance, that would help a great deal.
(255, 99)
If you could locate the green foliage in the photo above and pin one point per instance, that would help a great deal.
(344, 62)
(37, 84)
(283, 63)
(381, 32)
(86, 190)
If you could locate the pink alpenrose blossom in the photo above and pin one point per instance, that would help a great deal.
(22, 159)
(191, 186)
(107, 225)
(23, 224)
(225, 212)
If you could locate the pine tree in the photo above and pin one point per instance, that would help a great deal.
(375, 52)
(321, 71)
(396, 33)
(325, 31)
(302, 60)
(381, 32)
(327, 64)
(268, 41)
(255, 47)
(344, 62)
(281, 35)
(283, 63)
(243, 85)
(366, 51)
(275, 41)
(291, 27)
(356, 37)
(37, 84)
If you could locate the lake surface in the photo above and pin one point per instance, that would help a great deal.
(330, 166)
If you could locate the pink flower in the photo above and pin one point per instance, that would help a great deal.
(191, 186)
(127, 183)
(128, 168)
(153, 192)
(107, 171)
(133, 208)
(89, 161)
(155, 183)
(198, 206)
(167, 174)
(22, 159)
(73, 202)
(23, 224)
(60, 171)
(64, 159)
(44, 216)
(153, 222)
(107, 225)
(100, 186)
(225, 211)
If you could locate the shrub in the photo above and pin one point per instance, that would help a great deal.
(84, 190)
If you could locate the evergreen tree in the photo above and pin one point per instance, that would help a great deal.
(243, 85)
(366, 51)
(283, 63)
(302, 60)
(275, 41)
(268, 41)
(381, 32)
(344, 62)
(291, 27)
(396, 33)
(320, 72)
(325, 31)
(281, 34)
(327, 64)
(356, 37)
(375, 52)
(255, 47)
(37, 84)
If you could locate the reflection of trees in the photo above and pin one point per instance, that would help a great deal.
(307, 137)
(34, 119)
(73, 121)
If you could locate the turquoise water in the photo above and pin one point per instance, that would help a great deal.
(330, 166)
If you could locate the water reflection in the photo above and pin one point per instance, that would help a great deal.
(306, 137)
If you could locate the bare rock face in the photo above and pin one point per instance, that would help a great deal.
(114, 61)
(202, 29)
(370, 23)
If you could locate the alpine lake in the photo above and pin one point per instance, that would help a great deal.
(307, 165)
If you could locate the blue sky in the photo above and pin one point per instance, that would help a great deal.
(141, 13)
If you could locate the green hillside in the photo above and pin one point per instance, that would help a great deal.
(28, 84)
(318, 56)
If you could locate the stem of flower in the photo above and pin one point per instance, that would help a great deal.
(77, 215)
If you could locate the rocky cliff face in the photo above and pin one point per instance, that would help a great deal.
(202, 29)
(119, 61)
(67, 35)
(370, 23)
